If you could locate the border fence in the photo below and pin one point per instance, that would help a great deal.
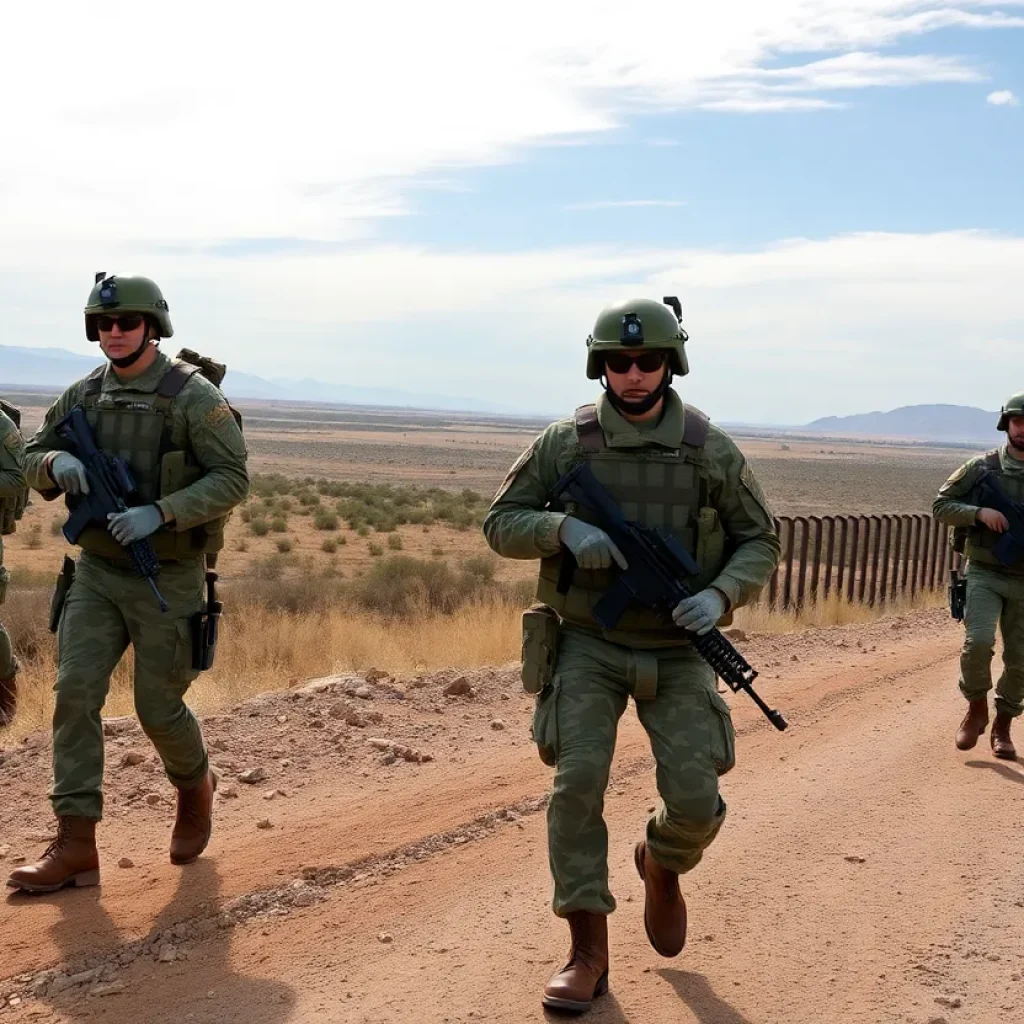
(863, 559)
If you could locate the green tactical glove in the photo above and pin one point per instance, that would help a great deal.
(591, 546)
(135, 524)
(69, 474)
(700, 612)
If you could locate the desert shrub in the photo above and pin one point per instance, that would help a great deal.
(376, 550)
(324, 519)
(34, 538)
(330, 545)
(56, 525)
(279, 524)
(395, 542)
(284, 545)
(259, 527)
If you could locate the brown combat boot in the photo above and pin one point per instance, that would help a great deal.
(71, 859)
(585, 976)
(664, 906)
(1002, 745)
(194, 822)
(9, 697)
(973, 724)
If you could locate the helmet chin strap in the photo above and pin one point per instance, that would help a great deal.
(126, 361)
(639, 407)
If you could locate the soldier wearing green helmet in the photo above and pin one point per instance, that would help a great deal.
(667, 467)
(185, 451)
(995, 592)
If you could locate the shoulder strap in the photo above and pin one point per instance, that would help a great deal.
(992, 460)
(588, 429)
(12, 412)
(93, 384)
(695, 427)
(175, 379)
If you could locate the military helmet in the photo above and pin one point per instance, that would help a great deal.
(1014, 407)
(637, 323)
(112, 294)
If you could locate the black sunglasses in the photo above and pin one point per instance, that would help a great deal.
(127, 322)
(647, 362)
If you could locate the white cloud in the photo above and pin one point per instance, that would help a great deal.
(786, 332)
(1003, 98)
(313, 120)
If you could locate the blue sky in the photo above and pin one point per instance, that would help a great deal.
(425, 200)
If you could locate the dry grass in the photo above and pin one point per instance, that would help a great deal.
(265, 646)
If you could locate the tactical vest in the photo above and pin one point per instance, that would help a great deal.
(13, 507)
(655, 487)
(138, 430)
(980, 540)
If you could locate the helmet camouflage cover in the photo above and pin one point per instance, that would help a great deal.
(113, 294)
(636, 323)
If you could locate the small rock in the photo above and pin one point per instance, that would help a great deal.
(153, 799)
(356, 720)
(735, 634)
(459, 687)
(385, 937)
(4, 850)
(270, 794)
(110, 988)
(218, 744)
(126, 862)
(793, 657)
(252, 775)
(953, 1003)
(498, 725)
(132, 758)
(264, 823)
(854, 859)
(167, 954)
(375, 675)
(378, 743)
(364, 693)
(389, 758)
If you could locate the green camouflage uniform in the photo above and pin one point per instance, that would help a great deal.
(190, 459)
(995, 593)
(12, 491)
(714, 506)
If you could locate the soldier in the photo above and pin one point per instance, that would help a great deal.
(182, 444)
(995, 592)
(667, 467)
(13, 496)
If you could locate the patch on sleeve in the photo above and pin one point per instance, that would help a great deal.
(217, 416)
(517, 467)
(749, 481)
(14, 443)
(955, 478)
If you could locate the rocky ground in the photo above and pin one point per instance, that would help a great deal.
(379, 856)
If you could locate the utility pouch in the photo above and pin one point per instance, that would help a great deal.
(60, 592)
(540, 647)
(957, 595)
(204, 627)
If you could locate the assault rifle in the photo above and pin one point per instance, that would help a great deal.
(110, 485)
(656, 567)
(1009, 549)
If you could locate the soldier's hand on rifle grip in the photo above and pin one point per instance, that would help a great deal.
(591, 547)
(700, 612)
(993, 519)
(135, 524)
(69, 474)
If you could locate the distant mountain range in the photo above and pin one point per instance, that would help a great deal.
(919, 422)
(56, 367)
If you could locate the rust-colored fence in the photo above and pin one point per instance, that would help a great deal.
(864, 559)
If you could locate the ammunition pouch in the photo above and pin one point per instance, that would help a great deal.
(204, 626)
(60, 592)
(540, 647)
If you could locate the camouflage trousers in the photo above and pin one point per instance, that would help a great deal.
(108, 608)
(575, 724)
(8, 662)
(994, 599)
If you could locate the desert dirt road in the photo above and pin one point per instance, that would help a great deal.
(868, 871)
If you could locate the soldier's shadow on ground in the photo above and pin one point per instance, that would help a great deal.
(1003, 769)
(203, 988)
(696, 992)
